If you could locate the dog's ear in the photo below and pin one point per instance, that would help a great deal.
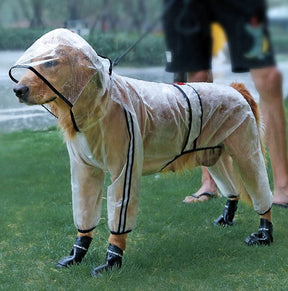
(95, 86)
(98, 81)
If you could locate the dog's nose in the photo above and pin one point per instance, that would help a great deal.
(21, 91)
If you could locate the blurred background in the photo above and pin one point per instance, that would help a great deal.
(110, 26)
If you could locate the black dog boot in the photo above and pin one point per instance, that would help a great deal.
(264, 236)
(78, 252)
(228, 214)
(113, 259)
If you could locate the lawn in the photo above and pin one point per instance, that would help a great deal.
(174, 246)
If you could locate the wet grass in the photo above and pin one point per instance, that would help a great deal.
(174, 247)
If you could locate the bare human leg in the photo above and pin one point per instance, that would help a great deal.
(268, 82)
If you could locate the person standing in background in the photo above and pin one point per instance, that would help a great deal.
(187, 27)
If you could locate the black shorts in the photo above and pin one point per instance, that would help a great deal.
(187, 27)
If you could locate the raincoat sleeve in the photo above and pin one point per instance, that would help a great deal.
(87, 182)
(123, 193)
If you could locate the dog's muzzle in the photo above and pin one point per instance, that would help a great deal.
(22, 91)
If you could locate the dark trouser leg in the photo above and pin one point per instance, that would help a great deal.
(180, 77)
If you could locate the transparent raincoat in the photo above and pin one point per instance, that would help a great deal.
(129, 128)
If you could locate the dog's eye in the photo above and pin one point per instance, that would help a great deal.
(50, 64)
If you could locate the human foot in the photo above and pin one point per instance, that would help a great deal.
(201, 195)
(281, 197)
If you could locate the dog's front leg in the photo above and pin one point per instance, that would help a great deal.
(87, 187)
(122, 204)
(117, 244)
(78, 251)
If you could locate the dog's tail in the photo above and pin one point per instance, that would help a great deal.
(255, 109)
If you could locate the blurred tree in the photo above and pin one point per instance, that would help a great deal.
(37, 13)
(137, 12)
(107, 20)
(277, 2)
(74, 9)
(32, 10)
(128, 15)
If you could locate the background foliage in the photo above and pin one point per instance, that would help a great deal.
(101, 14)
(110, 26)
(150, 52)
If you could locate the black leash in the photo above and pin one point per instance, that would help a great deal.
(148, 30)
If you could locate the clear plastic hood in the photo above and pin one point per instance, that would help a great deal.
(61, 47)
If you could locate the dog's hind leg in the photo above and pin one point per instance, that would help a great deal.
(227, 217)
(244, 147)
(224, 175)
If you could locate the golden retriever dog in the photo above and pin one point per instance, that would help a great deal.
(129, 128)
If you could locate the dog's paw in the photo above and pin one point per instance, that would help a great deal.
(228, 214)
(78, 252)
(113, 259)
(222, 221)
(264, 236)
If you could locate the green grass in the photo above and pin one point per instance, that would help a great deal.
(174, 247)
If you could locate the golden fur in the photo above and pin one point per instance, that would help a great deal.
(255, 108)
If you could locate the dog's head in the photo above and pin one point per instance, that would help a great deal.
(58, 65)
